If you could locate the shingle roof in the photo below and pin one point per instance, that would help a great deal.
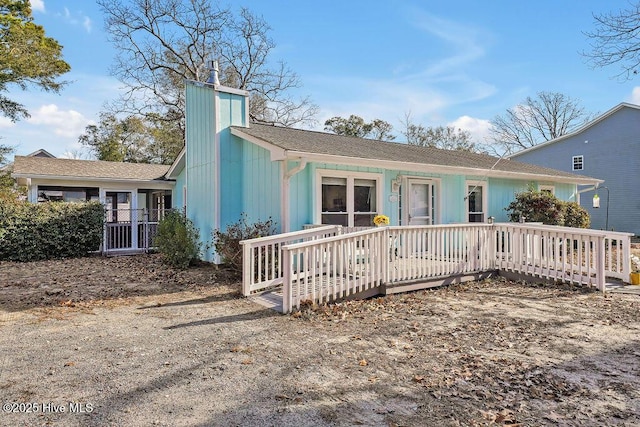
(331, 144)
(48, 167)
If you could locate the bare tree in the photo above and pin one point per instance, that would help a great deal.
(616, 41)
(447, 138)
(536, 120)
(162, 43)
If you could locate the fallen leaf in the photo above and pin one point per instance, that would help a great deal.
(363, 362)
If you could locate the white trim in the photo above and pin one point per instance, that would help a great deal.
(546, 187)
(285, 178)
(216, 172)
(435, 202)
(219, 88)
(573, 162)
(279, 153)
(180, 160)
(351, 176)
(275, 152)
(484, 185)
(167, 184)
(448, 170)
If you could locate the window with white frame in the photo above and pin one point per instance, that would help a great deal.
(547, 188)
(578, 163)
(476, 201)
(350, 200)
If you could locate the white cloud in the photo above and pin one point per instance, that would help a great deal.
(5, 123)
(478, 128)
(431, 90)
(635, 95)
(66, 124)
(86, 23)
(37, 5)
(77, 18)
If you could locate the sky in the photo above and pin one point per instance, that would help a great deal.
(451, 63)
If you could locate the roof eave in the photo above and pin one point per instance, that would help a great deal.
(178, 164)
(276, 153)
(87, 178)
(426, 167)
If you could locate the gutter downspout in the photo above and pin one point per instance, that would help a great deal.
(577, 194)
(286, 179)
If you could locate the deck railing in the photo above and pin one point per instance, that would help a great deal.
(562, 253)
(262, 257)
(128, 230)
(335, 267)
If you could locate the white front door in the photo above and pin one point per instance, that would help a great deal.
(419, 203)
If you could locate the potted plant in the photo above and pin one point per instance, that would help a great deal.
(380, 220)
(634, 277)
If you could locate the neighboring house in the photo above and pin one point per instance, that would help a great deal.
(133, 193)
(607, 148)
(38, 153)
(296, 177)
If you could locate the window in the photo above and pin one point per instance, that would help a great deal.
(48, 193)
(350, 200)
(547, 188)
(476, 201)
(578, 163)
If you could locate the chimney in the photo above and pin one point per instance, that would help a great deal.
(213, 77)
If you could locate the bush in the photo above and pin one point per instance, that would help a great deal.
(576, 216)
(227, 243)
(178, 240)
(544, 207)
(32, 232)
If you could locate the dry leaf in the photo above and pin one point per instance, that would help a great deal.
(363, 362)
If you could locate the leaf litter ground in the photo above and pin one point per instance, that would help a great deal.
(148, 345)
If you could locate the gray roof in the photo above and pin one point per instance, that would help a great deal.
(330, 144)
(90, 169)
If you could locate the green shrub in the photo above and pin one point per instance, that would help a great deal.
(544, 207)
(227, 243)
(178, 240)
(576, 216)
(32, 232)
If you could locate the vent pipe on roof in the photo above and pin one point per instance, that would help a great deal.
(214, 71)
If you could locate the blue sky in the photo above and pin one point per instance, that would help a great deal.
(458, 62)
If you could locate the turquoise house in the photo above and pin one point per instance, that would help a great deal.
(230, 167)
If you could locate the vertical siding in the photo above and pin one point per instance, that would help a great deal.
(503, 191)
(610, 149)
(178, 193)
(451, 191)
(260, 184)
(231, 113)
(200, 160)
(301, 198)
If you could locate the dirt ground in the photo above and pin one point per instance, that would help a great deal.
(127, 341)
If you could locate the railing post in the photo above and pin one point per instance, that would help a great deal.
(286, 280)
(626, 258)
(247, 262)
(600, 270)
(385, 260)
